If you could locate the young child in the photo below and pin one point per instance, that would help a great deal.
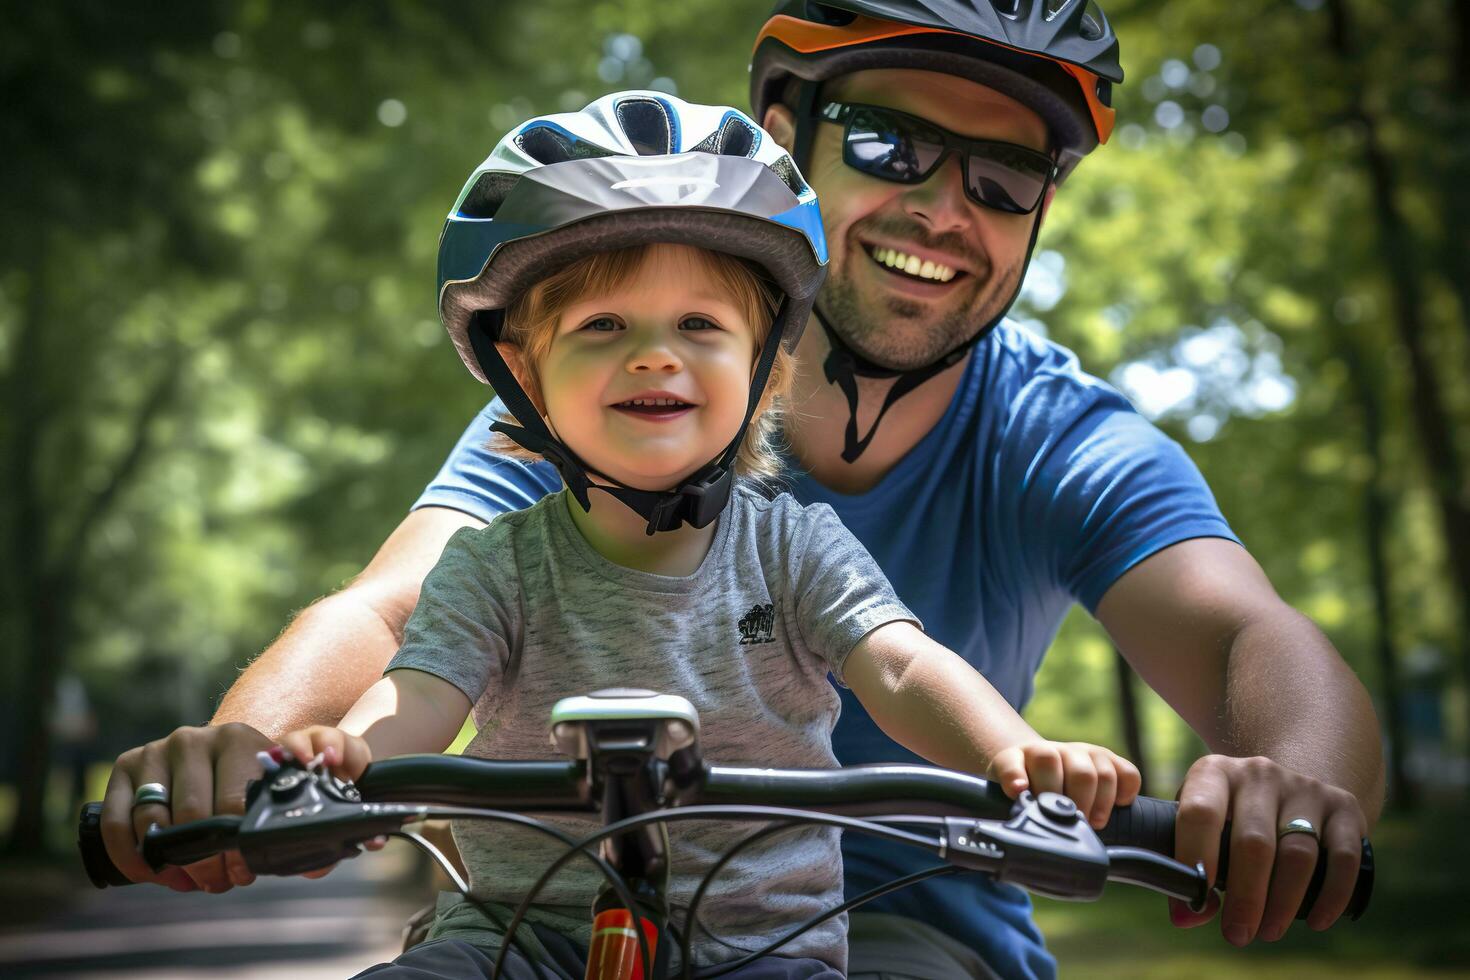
(637, 369)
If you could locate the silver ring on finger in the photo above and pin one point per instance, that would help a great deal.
(1300, 825)
(150, 793)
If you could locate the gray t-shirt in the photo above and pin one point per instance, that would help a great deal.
(524, 612)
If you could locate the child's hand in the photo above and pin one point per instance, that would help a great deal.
(1096, 778)
(345, 755)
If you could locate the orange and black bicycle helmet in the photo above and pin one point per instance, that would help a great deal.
(1060, 57)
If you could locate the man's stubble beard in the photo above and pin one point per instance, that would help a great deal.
(903, 334)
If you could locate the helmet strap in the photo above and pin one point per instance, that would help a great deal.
(532, 434)
(697, 502)
(805, 124)
(844, 365)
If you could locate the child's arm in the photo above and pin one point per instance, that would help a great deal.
(928, 699)
(406, 711)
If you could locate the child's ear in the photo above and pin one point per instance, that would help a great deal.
(774, 381)
(525, 375)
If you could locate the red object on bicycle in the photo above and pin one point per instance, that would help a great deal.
(614, 951)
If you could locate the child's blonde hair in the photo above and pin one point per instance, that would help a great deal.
(532, 317)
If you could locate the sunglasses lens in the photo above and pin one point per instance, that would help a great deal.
(888, 147)
(893, 146)
(1007, 179)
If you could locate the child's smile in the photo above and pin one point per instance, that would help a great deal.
(656, 406)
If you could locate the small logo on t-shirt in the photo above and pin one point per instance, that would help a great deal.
(756, 625)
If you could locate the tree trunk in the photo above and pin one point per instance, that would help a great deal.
(1454, 183)
(1376, 516)
(35, 654)
(49, 561)
(1130, 717)
(1431, 417)
(47, 617)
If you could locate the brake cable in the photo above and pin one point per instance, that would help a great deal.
(708, 812)
(692, 924)
(617, 881)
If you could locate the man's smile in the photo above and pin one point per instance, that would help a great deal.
(914, 261)
(915, 272)
(914, 269)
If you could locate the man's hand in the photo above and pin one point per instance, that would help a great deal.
(331, 654)
(1296, 731)
(204, 772)
(1268, 876)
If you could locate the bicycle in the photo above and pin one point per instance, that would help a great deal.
(634, 757)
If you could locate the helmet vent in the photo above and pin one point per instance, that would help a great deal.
(646, 124)
(1092, 21)
(546, 144)
(734, 138)
(489, 192)
(1008, 8)
(783, 167)
(1054, 7)
(823, 13)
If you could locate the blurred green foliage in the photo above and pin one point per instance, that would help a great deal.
(224, 380)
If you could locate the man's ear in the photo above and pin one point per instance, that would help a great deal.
(515, 359)
(780, 122)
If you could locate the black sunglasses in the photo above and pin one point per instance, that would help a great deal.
(896, 146)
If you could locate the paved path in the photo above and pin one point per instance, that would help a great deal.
(326, 929)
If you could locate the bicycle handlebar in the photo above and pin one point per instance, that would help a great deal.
(392, 792)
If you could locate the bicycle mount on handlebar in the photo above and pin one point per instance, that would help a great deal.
(640, 750)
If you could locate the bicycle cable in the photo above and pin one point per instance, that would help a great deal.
(939, 870)
(706, 812)
(692, 925)
(617, 881)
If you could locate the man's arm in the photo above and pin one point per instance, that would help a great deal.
(338, 646)
(314, 672)
(1294, 730)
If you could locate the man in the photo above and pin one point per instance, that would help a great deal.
(993, 481)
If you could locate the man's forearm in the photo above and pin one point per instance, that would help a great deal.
(337, 648)
(314, 671)
(1291, 698)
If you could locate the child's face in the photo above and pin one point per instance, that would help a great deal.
(649, 383)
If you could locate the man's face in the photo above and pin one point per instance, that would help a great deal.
(896, 319)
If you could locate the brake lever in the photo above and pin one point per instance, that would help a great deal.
(1160, 873)
(1044, 846)
(300, 819)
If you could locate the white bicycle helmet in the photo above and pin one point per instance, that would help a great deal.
(630, 169)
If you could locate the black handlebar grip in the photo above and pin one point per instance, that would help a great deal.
(1149, 823)
(94, 853)
(1146, 822)
(190, 842)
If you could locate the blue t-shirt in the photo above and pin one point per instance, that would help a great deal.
(1038, 488)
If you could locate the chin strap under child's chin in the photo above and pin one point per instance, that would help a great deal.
(697, 502)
